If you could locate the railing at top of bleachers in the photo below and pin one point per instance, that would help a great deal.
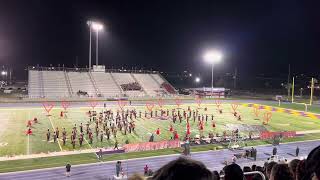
(39, 68)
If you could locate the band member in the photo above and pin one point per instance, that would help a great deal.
(29, 131)
(158, 131)
(48, 135)
(171, 128)
(57, 132)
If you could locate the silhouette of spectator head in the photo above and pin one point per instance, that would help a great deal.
(293, 167)
(216, 175)
(183, 168)
(280, 172)
(313, 164)
(301, 170)
(233, 172)
(269, 168)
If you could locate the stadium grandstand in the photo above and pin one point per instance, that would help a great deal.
(51, 82)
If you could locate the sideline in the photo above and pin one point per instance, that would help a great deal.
(132, 159)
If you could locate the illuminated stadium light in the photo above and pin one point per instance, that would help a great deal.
(190, 75)
(3, 73)
(197, 79)
(96, 26)
(212, 56)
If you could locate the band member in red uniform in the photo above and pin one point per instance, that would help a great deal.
(201, 126)
(188, 125)
(171, 128)
(158, 131)
(61, 114)
(188, 131)
(213, 124)
(29, 131)
(29, 123)
(176, 135)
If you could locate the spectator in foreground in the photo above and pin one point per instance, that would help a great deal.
(269, 168)
(216, 175)
(68, 169)
(183, 168)
(293, 167)
(233, 172)
(301, 170)
(313, 165)
(280, 172)
(136, 177)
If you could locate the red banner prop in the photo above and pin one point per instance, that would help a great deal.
(198, 100)
(234, 107)
(218, 103)
(256, 111)
(48, 106)
(148, 146)
(122, 104)
(150, 105)
(93, 104)
(178, 102)
(267, 117)
(271, 135)
(160, 102)
(65, 105)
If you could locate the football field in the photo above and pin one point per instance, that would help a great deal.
(14, 141)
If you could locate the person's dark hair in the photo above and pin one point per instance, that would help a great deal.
(269, 168)
(183, 168)
(280, 172)
(233, 172)
(313, 163)
(301, 170)
(246, 169)
(293, 167)
(216, 175)
(253, 167)
(259, 168)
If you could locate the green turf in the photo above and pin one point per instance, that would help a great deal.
(17, 143)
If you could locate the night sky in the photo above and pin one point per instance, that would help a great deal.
(257, 37)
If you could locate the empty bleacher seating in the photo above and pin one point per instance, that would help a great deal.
(80, 81)
(54, 84)
(106, 85)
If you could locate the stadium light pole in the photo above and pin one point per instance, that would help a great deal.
(96, 26)
(212, 57)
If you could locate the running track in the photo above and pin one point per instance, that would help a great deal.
(212, 159)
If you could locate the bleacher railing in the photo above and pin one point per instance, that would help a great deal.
(39, 68)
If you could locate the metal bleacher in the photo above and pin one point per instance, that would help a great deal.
(149, 84)
(106, 85)
(126, 78)
(80, 81)
(54, 84)
(63, 82)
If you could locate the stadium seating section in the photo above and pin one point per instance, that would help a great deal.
(60, 84)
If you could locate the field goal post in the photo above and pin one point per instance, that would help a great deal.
(293, 100)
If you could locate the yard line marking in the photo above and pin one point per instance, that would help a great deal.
(28, 142)
(28, 145)
(54, 130)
